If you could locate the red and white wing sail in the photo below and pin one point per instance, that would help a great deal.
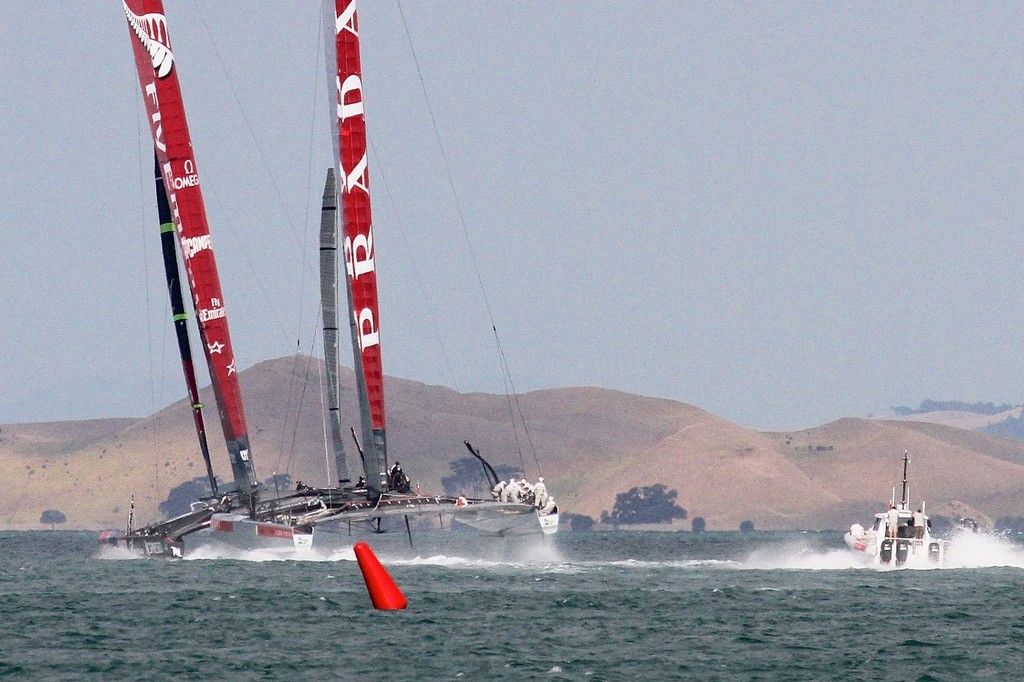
(158, 77)
(357, 231)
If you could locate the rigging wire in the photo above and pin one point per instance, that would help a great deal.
(302, 240)
(420, 282)
(310, 196)
(298, 413)
(506, 372)
(306, 269)
(290, 449)
(323, 426)
(290, 393)
(140, 134)
(248, 124)
(305, 264)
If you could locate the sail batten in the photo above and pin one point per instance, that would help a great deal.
(154, 59)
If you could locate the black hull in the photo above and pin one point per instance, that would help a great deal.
(146, 546)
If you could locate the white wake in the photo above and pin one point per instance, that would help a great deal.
(982, 550)
(965, 550)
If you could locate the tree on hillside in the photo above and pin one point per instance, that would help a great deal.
(53, 517)
(988, 408)
(181, 497)
(577, 522)
(647, 504)
(698, 525)
(506, 471)
(279, 482)
(1011, 427)
(468, 477)
(747, 526)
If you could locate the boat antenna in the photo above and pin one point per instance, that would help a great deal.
(906, 461)
(131, 516)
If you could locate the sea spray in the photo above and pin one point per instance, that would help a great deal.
(982, 550)
(800, 556)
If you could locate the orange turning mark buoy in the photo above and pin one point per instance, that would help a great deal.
(384, 593)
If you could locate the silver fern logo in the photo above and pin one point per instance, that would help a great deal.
(151, 30)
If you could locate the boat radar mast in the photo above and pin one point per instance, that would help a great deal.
(905, 501)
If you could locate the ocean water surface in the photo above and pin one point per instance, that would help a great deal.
(585, 606)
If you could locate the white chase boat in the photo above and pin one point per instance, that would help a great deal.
(899, 536)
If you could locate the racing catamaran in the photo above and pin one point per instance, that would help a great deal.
(240, 515)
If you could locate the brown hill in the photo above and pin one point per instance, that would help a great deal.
(591, 444)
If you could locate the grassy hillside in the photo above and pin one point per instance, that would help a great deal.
(591, 444)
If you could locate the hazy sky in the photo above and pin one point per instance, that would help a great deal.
(782, 213)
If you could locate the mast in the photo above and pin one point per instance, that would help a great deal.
(906, 461)
(181, 319)
(349, 136)
(329, 306)
(161, 91)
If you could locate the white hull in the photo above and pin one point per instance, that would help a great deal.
(240, 532)
(908, 552)
(497, 518)
(507, 522)
(905, 546)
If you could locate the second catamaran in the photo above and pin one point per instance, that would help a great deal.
(240, 515)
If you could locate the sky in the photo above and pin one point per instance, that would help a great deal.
(782, 213)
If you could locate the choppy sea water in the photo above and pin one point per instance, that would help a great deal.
(587, 606)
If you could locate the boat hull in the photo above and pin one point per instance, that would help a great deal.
(150, 547)
(487, 516)
(505, 522)
(284, 527)
(240, 532)
(896, 552)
